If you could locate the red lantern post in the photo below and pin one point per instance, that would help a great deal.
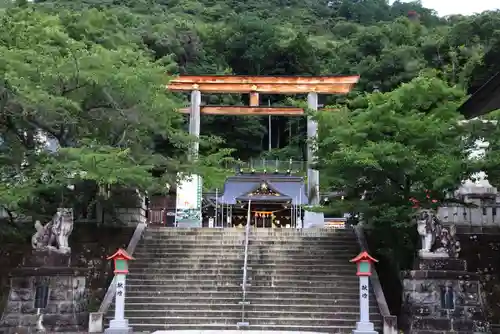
(119, 324)
(364, 263)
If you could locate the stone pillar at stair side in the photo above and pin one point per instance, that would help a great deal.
(364, 263)
(312, 133)
(120, 325)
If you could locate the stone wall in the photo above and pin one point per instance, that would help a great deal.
(482, 252)
(131, 216)
(440, 295)
(90, 244)
(66, 308)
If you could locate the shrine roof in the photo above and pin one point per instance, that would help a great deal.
(291, 188)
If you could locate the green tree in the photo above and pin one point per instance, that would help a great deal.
(104, 109)
(385, 148)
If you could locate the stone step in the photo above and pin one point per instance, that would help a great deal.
(255, 239)
(167, 289)
(251, 294)
(251, 314)
(343, 254)
(176, 277)
(229, 261)
(241, 239)
(347, 269)
(342, 328)
(253, 230)
(255, 234)
(277, 306)
(262, 248)
(302, 294)
(251, 248)
(218, 300)
(237, 261)
(302, 322)
(213, 327)
(239, 277)
(252, 242)
(256, 242)
(332, 277)
(260, 282)
(255, 265)
(252, 261)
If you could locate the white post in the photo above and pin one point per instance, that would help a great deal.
(194, 121)
(312, 134)
(364, 326)
(120, 297)
(119, 324)
(216, 207)
(222, 213)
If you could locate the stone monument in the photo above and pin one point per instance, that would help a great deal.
(46, 293)
(439, 294)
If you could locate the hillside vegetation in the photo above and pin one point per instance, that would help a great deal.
(91, 75)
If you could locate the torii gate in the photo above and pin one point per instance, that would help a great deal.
(254, 85)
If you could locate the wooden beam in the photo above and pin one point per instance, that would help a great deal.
(264, 84)
(251, 110)
(264, 79)
(254, 99)
(329, 88)
(247, 110)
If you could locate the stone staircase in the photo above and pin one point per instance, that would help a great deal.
(191, 279)
(302, 280)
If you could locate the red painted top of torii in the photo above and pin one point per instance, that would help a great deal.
(254, 85)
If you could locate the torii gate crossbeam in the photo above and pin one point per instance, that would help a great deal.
(253, 85)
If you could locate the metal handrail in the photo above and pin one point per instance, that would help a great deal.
(245, 271)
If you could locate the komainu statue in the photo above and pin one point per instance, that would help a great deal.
(54, 235)
(437, 241)
(427, 228)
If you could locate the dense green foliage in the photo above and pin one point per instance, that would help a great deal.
(370, 38)
(91, 74)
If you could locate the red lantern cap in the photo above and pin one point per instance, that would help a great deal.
(120, 254)
(364, 262)
(363, 256)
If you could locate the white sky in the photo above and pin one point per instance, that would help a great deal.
(465, 7)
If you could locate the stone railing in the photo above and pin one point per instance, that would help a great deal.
(390, 322)
(96, 323)
(485, 216)
(259, 165)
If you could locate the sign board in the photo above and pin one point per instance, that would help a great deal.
(335, 223)
(188, 202)
(312, 219)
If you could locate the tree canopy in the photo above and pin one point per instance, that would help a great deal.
(90, 75)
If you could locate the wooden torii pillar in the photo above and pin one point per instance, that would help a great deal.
(254, 85)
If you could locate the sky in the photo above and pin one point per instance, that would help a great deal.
(465, 7)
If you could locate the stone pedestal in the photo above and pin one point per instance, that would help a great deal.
(66, 309)
(440, 295)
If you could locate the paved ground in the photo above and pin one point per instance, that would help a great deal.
(230, 332)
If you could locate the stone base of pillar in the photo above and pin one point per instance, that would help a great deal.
(364, 328)
(118, 327)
